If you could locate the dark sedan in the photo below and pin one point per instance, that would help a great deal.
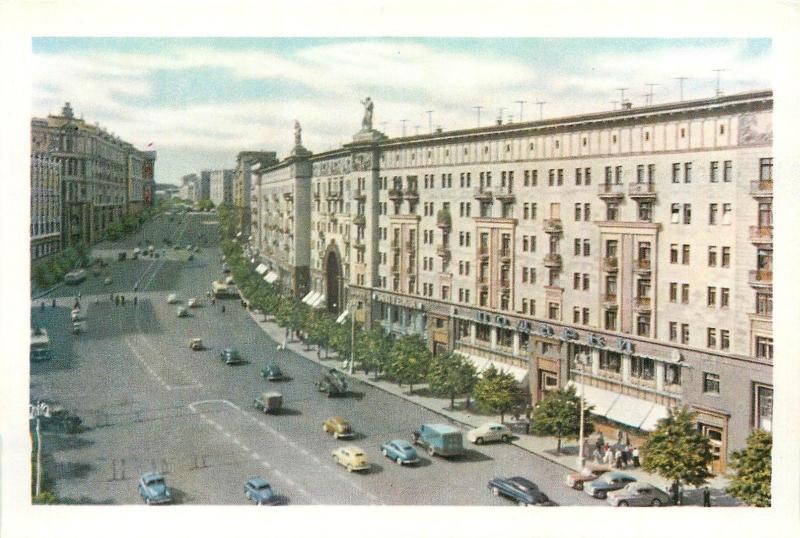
(521, 490)
(230, 356)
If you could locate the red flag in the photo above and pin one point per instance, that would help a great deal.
(150, 144)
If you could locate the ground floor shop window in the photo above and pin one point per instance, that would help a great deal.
(643, 368)
(505, 337)
(483, 333)
(610, 362)
(763, 407)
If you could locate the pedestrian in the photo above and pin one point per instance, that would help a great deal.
(223, 309)
(54, 303)
(123, 300)
(618, 459)
(706, 496)
(111, 297)
(116, 300)
(213, 301)
(626, 454)
(135, 300)
(608, 458)
(599, 443)
(674, 492)
(79, 296)
(635, 456)
(527, 425)
(41, 306)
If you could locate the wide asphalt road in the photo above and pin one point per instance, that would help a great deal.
(150, 403)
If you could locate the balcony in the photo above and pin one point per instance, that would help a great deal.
(360, 244)
(760, 234)
(553, 226)
(642, 191)
(443, 251)
(411, 193)
(483, 193)
(641, 266)
(643, 304)
(610, 300)
(333, 196)
(761, 188)
(483, 251)
(395, 194)
(359, 194)
(761, 279)
(610, 191)
(505, 255)
(609, 264)
(288, 196)
(443, 219)
(505, 195)
(552, 260)
(360, 220)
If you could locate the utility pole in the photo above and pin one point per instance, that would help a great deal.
(680, 81)
(478, 108)
(352, 334)
(582, 358)
(430, 121)
(520, 103)
(718, 71)
(541, 105)
(404, 127)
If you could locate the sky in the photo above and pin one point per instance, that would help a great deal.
(201, 101)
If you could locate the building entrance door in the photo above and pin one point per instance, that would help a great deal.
(333, 272)
(715, 435)
(548, 381)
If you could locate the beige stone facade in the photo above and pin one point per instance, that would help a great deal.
(45, 206)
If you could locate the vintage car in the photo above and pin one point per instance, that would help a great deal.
(351, 457)
(107, 280)
(339, 427)
(153, 489)
(400, 451)
(638, 494)
(190, 258)
(75, 315)
(182, 312)
(230, 355)
(590, 472)
(491, 431)
(172, 298)
(519, 489)
(442, 439)
(196, 344)
(606, 483)
(259, 491)
(269, 402)
(272, 372)
(193, 303)
(333, 383)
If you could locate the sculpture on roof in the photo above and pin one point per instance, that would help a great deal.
(298, 132)
(366, 122)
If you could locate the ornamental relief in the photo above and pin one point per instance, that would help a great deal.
(755, 129)
(362, 162)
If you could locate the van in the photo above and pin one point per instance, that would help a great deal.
(441, 439)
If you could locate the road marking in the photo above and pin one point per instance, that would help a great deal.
(146, 364)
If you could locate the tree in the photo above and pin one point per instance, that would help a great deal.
(205, 204)
(753, 465)
(451, 375)
(409, 361)
(559, 414)
(373, 348)
(498, 391)
(677, 450)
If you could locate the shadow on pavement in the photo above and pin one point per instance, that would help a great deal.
(471, 456)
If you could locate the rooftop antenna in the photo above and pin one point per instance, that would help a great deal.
(621, 95)
(718, 71)
(680, 81)
(430, 120)
(404, 127)
(520, 103)
(478, 108)
(650, 98)
(500, 116)
(541, 105)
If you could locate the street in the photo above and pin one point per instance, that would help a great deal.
(149, 403)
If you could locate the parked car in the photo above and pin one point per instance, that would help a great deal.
(607, 482)
(259, 491)
(590, 472)
(519, 489)
(107, 280)
(638, 494)
(400, 451)
(333, 382)
(272, 372)
(196, 344)
(491, 431)
(441, 439)
(338, 426)
(121, 256)
(193, 303)
(351, 457)
(269, 402)
(182, 312)
(172, 298)
(153, 489)
(230, 355)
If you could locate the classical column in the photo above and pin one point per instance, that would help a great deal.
(626, 369)
(473, 331)
(493, 337)
(595, 361)
(515, 343)
(660, 371)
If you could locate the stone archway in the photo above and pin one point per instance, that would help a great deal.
(333, 280)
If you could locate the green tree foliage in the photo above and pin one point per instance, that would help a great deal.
(205, 204)
(559, 414)
(498, 391)
(753, 465)
(373, 348)
(677, 450)
(409, 361)
(46, 497)
(451, 375)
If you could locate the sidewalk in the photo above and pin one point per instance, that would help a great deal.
(544, 447)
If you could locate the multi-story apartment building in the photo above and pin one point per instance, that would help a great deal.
(94, 173)
(135, 192)
(628, 253)
(148, 176)
(221, 187)
(188, 187)
(45, 205)
(245, 161)
(202, 190)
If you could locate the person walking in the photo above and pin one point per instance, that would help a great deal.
(116, 300)
(706, 496)
(41, 306)
(635, 456)
(54, 303)
(123, 300)
(608, 458)
(135, 300)
(626, 455)
(600, 442)
(618, 459)
(223, 309)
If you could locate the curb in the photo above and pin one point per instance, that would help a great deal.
(45, 292)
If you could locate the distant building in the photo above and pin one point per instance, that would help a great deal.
(45, 206)
(203, 187)
(245, 161)
(189, 186)
(148, 177)
(221, 187)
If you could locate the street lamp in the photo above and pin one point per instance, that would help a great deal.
(582, 359)
(352, 334)
(37, 411)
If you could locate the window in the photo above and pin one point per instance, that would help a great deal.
(726, 257)
(764, 304)
(587, 176)
(724, 297)
(643, 325)
(533, 211)
(687, 172)
(673, 292)
(710, 383)
(578, 208)
(711, 296)
(673, 331)
(676, 172)
(713, 171)
(727, 171)
(560, 173)
(763, 347)
(585, 281)
(585, 314)
(576, 315)
(586, 212)
(762, 404)
(724, 340)
(712, 213)
(672, 374)
(553, 311)
(577, 247)
(765, 169)
(675, 213)
(612, 211)
(712, 256)
(673, 253)
(610, 362)
(551, 176)
(646, 211)
(684, 333)
(618, 175)
(711, 338)
(576, 281)
(608, 175)
(685, 293)
(586, 247)
(643, 368)
(639, 173)
(611, 320)
(685, 255)
(726, 213)
(687, 213)
(526, 211)
(578, 176)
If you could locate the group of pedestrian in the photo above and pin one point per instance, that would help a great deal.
(119, 300)
(619, 455)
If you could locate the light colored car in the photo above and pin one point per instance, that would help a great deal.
(196, 344)
(75, 315)
(172, 298)
(489, 432)
(193, 303)
(606, 483)
(638, 494)
(351, 457)
(338, 426)
(182, 312)
(107, 280)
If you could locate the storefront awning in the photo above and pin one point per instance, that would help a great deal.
(319, 302)
(239, 234)
(261, 269)
(641, 414)
(271, 277)
(307, 297)
(342, 317)
(482, 363)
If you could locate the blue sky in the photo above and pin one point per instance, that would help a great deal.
(201, 101)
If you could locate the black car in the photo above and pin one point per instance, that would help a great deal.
(230, 355)
(521, 490)
(272, 372)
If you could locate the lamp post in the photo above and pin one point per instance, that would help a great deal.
(582, 359)
(37, 411)
(352, 334)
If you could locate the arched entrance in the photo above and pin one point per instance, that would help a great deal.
(333, 279)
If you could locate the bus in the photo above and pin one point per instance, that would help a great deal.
(221, 290)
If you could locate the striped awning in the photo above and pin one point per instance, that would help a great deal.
(261, 269)
(271, 277)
